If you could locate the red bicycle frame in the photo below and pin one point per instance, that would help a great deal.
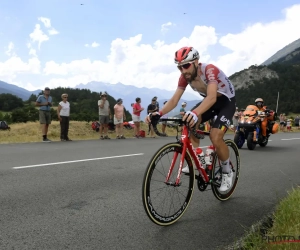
(186, 146)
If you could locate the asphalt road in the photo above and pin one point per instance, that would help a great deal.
(83, 197)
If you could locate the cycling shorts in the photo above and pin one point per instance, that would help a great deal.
(224, 109)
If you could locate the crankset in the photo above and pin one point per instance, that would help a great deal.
(202, 185)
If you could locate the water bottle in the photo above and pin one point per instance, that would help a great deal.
(209, 155)
(200, 154)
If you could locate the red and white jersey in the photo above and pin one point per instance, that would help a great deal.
(211, 74)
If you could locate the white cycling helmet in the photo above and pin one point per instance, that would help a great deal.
(185, 55)
(259, 100)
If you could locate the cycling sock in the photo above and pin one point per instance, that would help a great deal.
(225, 166)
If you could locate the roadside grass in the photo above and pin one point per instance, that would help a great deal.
(31, 132)
(284, 225)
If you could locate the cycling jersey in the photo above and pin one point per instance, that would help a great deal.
(210, 74)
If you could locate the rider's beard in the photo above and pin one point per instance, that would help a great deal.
(191, 76)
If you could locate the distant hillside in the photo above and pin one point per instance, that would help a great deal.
(247, 77)
(283, 52)
(291, 59)
(286, 83)
(129, 92)
(6, 88)
(266, 81)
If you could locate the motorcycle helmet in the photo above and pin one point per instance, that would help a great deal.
(259, 101)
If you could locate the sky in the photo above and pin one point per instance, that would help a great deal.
(67, 42)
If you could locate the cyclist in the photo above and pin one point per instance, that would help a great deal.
(219, 101)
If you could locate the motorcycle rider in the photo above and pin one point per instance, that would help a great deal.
(259, 102)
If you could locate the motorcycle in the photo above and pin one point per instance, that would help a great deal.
(249, 127)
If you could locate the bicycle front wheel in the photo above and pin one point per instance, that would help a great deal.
(165, 202)
(234, 160)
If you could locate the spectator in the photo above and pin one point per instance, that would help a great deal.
(282, 122)
(297, 121)
(156, 102)
(63, 114)
(119, 118)
(104, 115)
(136, 116)
(155, 109)
(182, 110)
(289, 125)
(152, 107)
(44, 102)
(236, 118)
(164, 123)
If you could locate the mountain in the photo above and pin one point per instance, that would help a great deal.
(128, 93)
(6, 88)
(283, 52)
(268, 81)
(246, 77)
(291, 59)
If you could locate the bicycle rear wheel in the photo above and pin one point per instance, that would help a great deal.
(163, 202)
(234, 158)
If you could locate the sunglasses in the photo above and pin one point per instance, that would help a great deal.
(65, 97)
(185, 66)
(259, 103)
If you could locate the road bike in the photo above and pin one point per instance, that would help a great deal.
(165, 185)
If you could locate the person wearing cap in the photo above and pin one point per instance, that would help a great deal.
(182, 109)
(156, 102)
(152, 107)
(63, 114)
(44, 102)
(104, 115)
(119, 118)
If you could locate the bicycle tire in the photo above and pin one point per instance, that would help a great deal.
(215, 189)
(160, 218)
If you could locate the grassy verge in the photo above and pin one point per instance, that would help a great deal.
(31, 132)
(284, 225)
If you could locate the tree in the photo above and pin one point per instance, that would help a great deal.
(9, 102)
(26, 114)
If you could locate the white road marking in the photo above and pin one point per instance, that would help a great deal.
(290, 139)
(67, 162)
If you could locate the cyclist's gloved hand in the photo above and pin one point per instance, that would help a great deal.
(191, 117)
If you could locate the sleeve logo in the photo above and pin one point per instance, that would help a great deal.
(210, 74)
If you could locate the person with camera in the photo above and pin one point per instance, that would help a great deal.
(104, 115)
(44, 102)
